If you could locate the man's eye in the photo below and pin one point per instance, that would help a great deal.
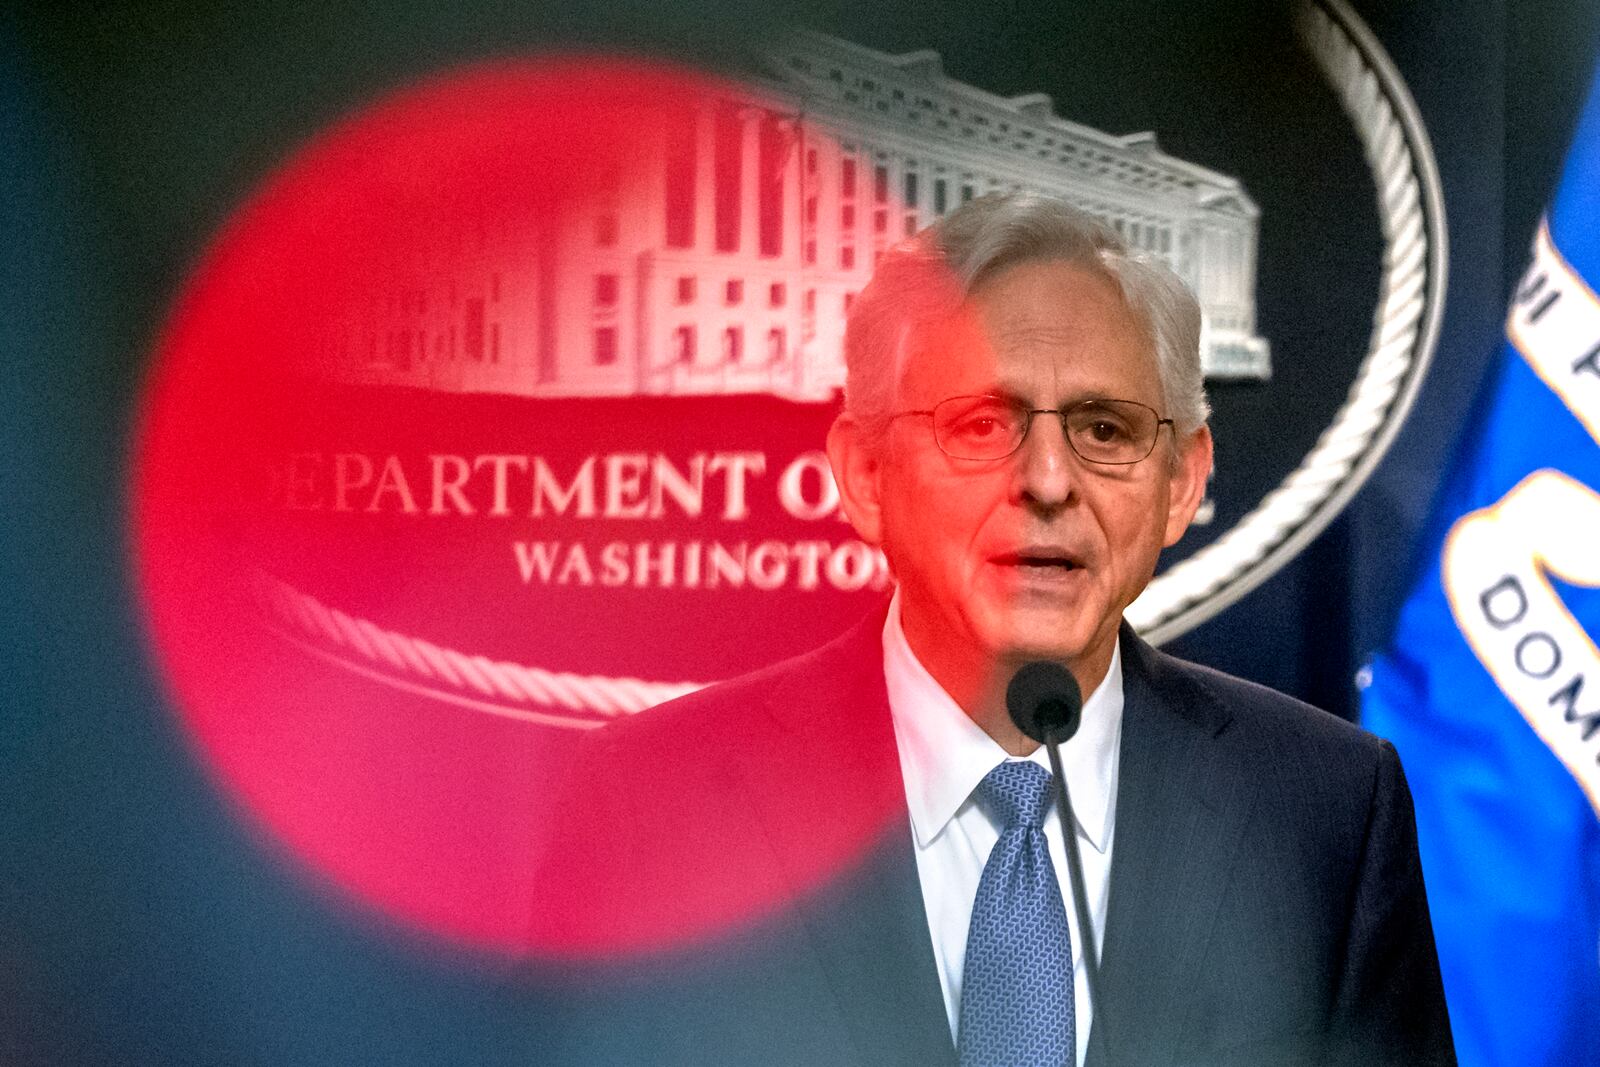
(1105, 431)
(981, 422)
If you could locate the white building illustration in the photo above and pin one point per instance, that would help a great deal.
(728, 260)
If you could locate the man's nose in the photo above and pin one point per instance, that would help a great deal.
(1047, 468)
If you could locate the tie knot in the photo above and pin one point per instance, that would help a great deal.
(1017, 793)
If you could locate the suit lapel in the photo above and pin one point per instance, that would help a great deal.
(867, 920)
(1182, 807)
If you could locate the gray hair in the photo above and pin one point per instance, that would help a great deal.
(924, 279)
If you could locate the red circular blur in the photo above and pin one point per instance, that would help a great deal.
(305, 590)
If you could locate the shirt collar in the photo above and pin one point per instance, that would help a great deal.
(944, 754)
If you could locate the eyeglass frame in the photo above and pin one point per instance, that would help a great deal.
(1030, 412)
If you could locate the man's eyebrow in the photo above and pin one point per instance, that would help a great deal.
(1004, 392)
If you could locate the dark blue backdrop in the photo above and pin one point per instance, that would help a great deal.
(139, 921)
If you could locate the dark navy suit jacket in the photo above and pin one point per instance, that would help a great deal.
(737, 883)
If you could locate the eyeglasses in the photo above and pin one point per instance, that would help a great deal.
(1108, 432)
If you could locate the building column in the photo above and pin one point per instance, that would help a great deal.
(705, 177)
(828, 201)
(791, 192)
(750, 182)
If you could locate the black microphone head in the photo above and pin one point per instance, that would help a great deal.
(1044, 701)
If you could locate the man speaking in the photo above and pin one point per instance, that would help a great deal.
(859, 856)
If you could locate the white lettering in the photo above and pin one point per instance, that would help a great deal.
(536, 557)
(792, 487)
(768, 565)
(614, 564)
(450, 485)
(1497, 569)
(344, 481)
(546, 488)
(301, 478)
(576, 567)
(499, 463)
(643, 564)
(625, 486)
(393, 480)
(1555, 324)
(739, 466)
(687, 492)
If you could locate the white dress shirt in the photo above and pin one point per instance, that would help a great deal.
(943, 757)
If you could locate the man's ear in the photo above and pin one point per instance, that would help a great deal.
(1188, 488)
(857, 463)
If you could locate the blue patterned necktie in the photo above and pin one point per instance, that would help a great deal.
(1016, 985)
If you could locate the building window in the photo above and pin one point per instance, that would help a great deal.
(398, 345)
(605, 230)
(777, 294)
(811, 210)
(880, 220)
(847, 217)
(733, 344)
(847, 177)
(940, 196)
(686, 289)
(605, 345)
(880, 184)
(847, 257)
(683, 345)
(605, 290)
(811, 302)
(811, 252)
(777, 345)
(966, 193)
(911, 223)
(733, 292)
(474, 330)
(911, 188)
(811, 161)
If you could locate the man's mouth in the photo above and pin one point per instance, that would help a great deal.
(1039, 561)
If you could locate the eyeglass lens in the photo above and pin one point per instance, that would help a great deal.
(1099, 431)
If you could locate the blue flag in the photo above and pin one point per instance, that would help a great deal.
(1491, 689)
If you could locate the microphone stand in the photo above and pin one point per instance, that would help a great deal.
(1080, 903)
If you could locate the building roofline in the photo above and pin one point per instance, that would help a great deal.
(1026, 107)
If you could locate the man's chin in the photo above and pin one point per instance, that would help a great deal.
(1061, 643)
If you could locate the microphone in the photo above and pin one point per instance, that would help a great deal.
(1046, 704)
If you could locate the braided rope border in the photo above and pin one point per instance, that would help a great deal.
(1405, 332)
(502, 688)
